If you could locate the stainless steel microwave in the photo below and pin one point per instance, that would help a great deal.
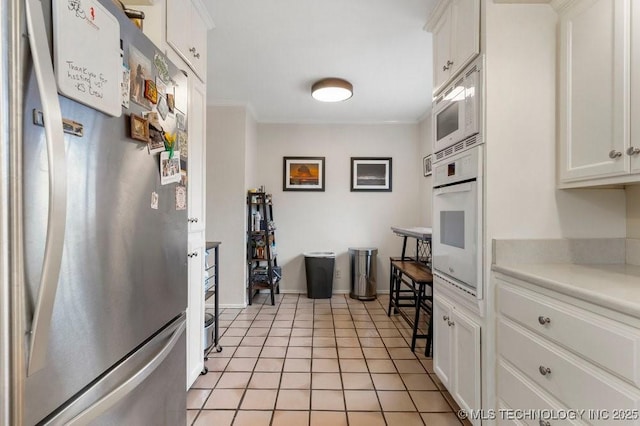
(456, 111)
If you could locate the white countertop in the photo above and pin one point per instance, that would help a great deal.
(614, 286)
(418, 232)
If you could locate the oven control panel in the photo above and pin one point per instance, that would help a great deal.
(464, 166)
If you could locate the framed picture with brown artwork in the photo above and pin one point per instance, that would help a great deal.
(303, 174)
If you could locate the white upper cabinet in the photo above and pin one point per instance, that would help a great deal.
(187, 26)
(635, 89)
(455, 25)
(594, 89)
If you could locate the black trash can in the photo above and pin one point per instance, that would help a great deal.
(319, 266)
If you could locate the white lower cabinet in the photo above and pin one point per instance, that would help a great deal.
(456, 354)
(195, 308)
(565, 356)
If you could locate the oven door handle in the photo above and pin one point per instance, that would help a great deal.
(463, 187)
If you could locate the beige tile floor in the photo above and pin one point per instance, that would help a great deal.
(318, 362)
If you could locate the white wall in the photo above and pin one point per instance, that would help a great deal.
(633, 211)
(226, 196)
(338, 218)
(425, 184)
(522, 201)
(251, 151)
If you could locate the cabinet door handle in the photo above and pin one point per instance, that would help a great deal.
(194, 52)
(544, 320)
(450, 323)
(544, 370)
(193, 254)
(614, 154)
(445, 318)
(544, 423)
(444, 68)
(633, 151)
(449, 63)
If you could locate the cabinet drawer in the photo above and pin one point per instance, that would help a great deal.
(520, 394)
(570, 380)
(612, 345)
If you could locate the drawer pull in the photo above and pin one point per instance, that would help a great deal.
(445, 318)
(544, 423)
(451, 323)
(544, 320)
(544, 370)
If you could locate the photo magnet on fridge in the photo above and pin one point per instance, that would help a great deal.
(154, 200)
(162, 107)
(151, 91)
(169, 167)
(171, 102)
(140, 67)
(125, 86)
(181, 197)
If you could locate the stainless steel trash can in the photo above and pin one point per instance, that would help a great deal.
(363, 273)
(319, 266)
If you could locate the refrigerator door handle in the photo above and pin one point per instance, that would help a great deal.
(57, 214)
(110, 399)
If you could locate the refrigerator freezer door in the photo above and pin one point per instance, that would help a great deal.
(143, 390)
(123, 273)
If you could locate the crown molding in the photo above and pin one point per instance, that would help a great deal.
(436, 14)
(204, 13)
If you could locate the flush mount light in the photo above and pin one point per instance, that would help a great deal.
(331, 90)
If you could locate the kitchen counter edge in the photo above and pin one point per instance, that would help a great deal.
(613, 286)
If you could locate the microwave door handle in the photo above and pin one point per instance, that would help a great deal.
(57, 212)
(464, 187)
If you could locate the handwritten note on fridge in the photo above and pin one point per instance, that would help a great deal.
(87, 58)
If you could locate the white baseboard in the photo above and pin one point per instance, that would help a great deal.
(228, 306)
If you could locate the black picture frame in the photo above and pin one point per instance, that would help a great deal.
(372, 174)
(427, 166)
(303, 173)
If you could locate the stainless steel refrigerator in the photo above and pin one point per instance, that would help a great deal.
(93, 275)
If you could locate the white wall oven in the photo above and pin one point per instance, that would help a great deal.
(456, 112)
(457, 220)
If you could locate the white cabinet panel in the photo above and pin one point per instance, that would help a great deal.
(197, 155)
(520, 394)
(465, 43)
(594, 90)
(560, 363)
(442, 340)
(559, 321)
(456, 39)
(195, 309)
(571, 381)
(187, 33)
(456, 356)
(634, 149)
(466, 335)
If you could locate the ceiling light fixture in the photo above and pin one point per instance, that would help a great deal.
(331, 90)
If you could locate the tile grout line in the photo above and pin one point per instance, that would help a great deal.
(376, 309)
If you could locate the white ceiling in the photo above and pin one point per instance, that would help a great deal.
(267, 53)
